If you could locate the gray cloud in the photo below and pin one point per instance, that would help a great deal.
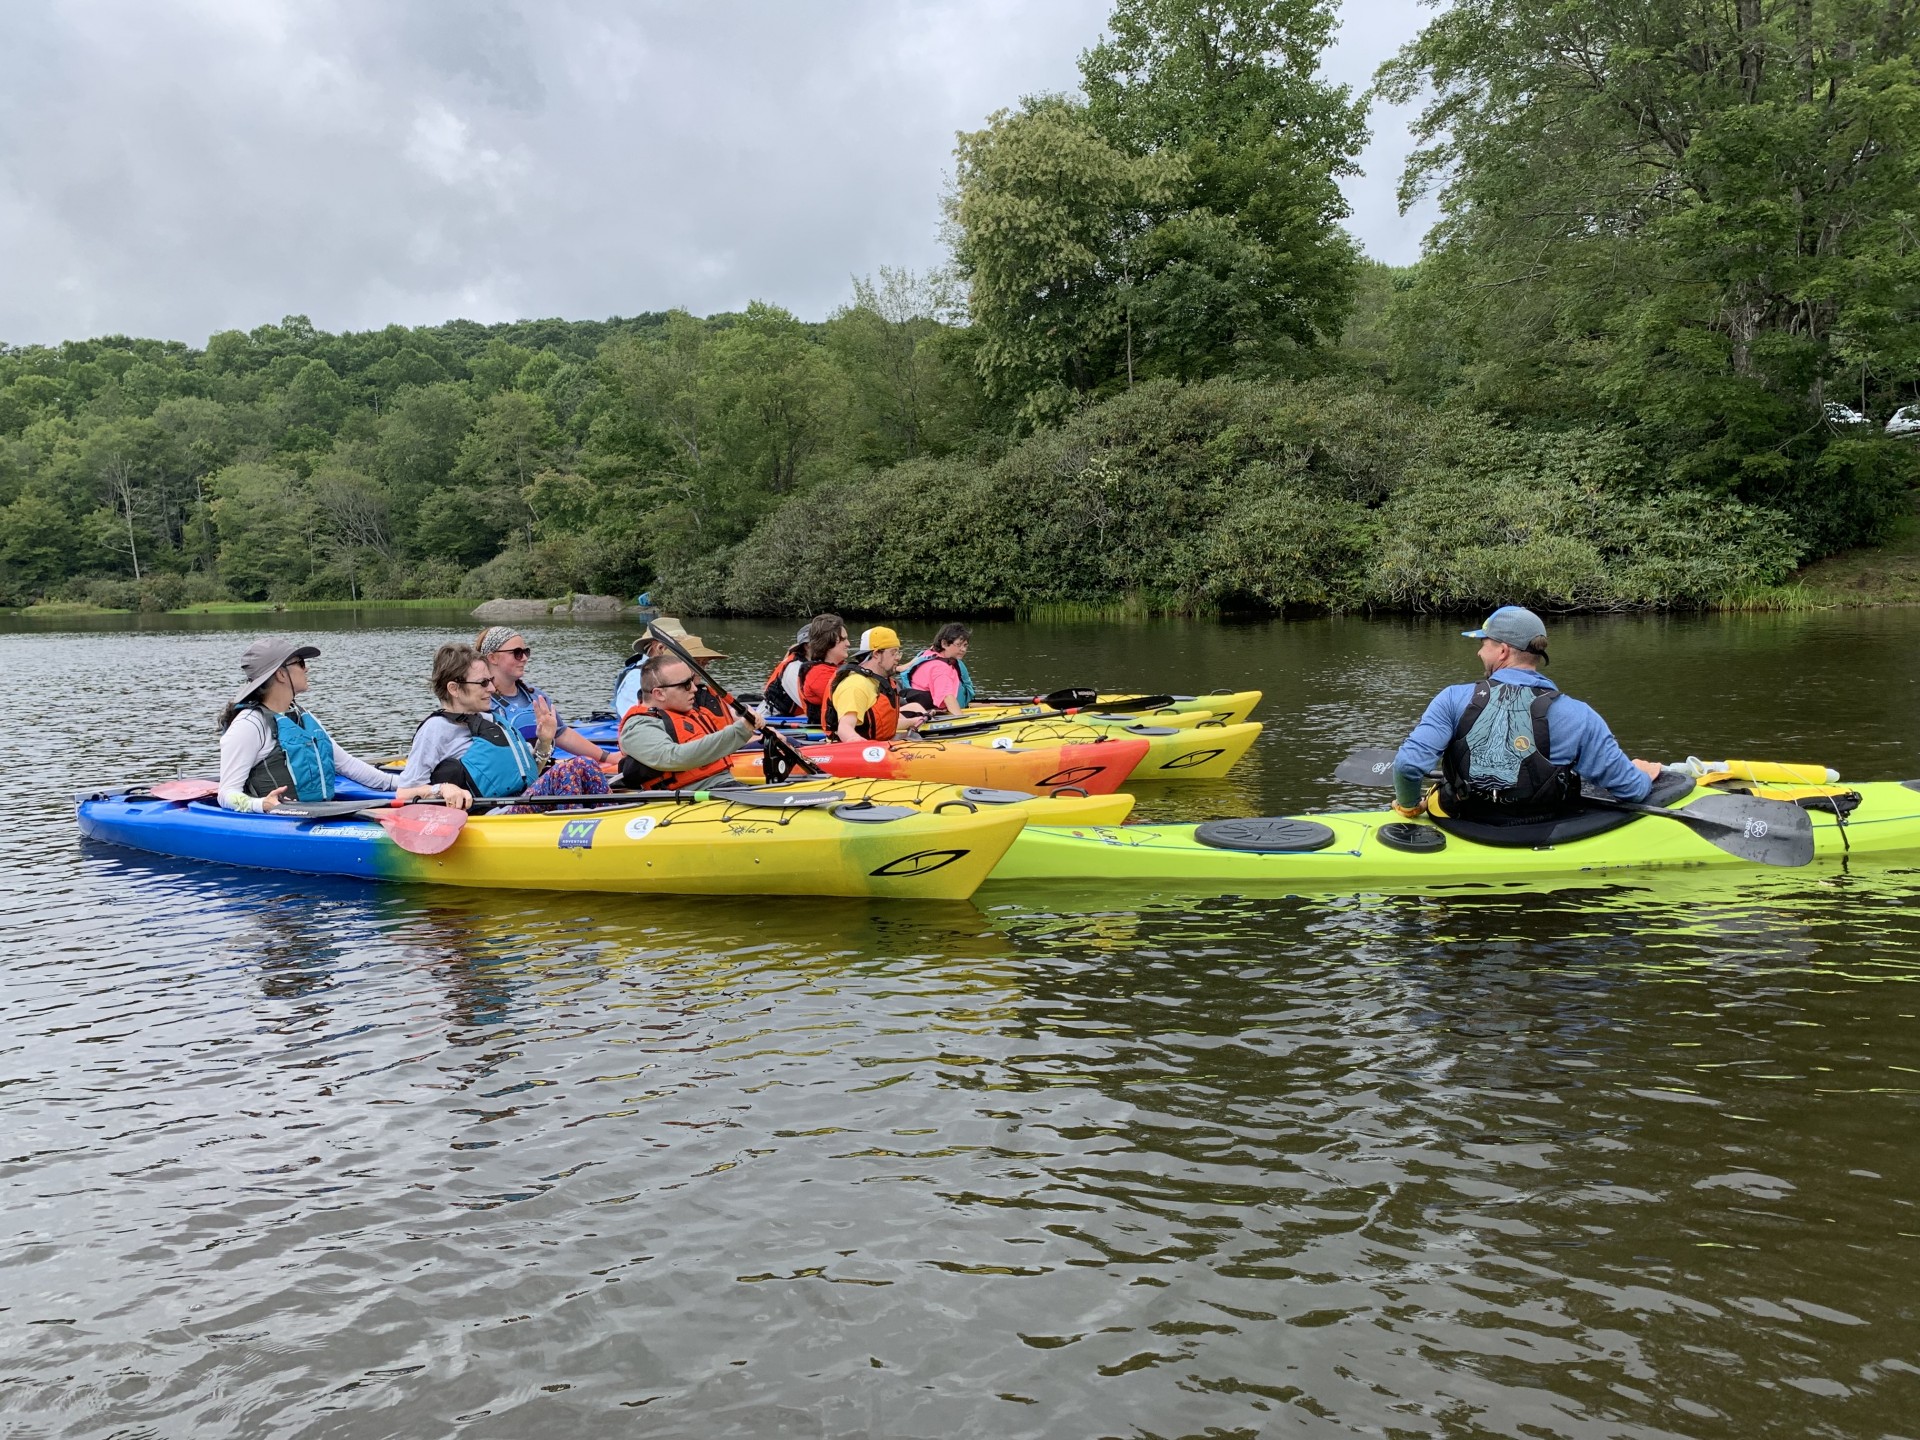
(173, 170)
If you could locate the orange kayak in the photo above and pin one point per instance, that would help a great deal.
(1098, 767)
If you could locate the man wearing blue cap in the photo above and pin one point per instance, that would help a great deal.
(1511, 747)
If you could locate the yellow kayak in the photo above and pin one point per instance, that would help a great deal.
(1200, 752)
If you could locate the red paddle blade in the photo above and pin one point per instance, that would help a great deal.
(184, 790)
(423, 829)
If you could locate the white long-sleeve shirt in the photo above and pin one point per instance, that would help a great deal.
(250, 739)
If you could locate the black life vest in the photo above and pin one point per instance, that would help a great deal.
(778, 701)
(682, 727)
(1498, 766)
(880, 722)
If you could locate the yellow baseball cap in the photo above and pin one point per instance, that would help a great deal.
(878, 638)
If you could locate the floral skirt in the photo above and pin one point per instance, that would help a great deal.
(575, 775)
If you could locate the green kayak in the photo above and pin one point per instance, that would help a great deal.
(1375, 850)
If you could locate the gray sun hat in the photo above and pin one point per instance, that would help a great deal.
(263, 657)
(1513, 625)
(805, 630)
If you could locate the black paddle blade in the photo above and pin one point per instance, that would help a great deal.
(1767, 832)
(1071, 699)
(1370, 766)
(1129, 703)
(774, 764)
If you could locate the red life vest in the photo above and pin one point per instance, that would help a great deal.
(691, 725)
(816, 681)
(779, 702)
(881, 721)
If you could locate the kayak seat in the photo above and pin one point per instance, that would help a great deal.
(1266, 835)
(1561, 829)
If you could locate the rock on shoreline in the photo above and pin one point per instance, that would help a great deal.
(500, 612)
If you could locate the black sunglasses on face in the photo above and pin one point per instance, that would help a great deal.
(686, 684)
(519, 652)
(485, 682)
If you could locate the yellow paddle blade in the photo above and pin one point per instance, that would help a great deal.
(1773, 772)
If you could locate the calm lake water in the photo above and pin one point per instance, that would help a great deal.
(293, 1158)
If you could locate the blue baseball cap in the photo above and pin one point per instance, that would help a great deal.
(1513, 625)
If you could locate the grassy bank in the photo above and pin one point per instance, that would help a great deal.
(1876, 575)
(238, 607)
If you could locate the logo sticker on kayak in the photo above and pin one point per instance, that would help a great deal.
(1188, 761)
(1068, 777)
(874, 754)
(641, 826)
(921, 862)
(578, 834)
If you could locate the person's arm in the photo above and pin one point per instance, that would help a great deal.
(1597, 756)
(852, 698)
(574, 743)
(361, 773)
(243, 745)
(436, 740)
(1421, 750)
(645, 739)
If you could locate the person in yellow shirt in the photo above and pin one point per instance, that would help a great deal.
(864, 703)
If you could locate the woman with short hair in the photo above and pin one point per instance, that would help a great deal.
(463, 744)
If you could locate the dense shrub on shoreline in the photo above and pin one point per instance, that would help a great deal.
(1237, 495)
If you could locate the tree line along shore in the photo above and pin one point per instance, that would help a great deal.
(1648, 360)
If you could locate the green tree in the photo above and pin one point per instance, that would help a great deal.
(263, 521)
(1697, 216)
(909, 392)
(1046, 217)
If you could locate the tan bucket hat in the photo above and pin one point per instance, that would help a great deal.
(692, 644)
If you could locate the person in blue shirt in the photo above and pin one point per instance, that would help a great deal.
(525, 707)
(1511, 747)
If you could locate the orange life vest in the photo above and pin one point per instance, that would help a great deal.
(881, 721)
(691, 725)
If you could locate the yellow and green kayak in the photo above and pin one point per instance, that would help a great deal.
(1375, 850)
(723, 845)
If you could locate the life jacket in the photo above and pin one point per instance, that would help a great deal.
(520, 714)
(681, 727)
(778, 701)
(881, 721)
(707, 700)
(966, 691)
(497, 761)
(301, 760)
(817, 679)
(1498, 764)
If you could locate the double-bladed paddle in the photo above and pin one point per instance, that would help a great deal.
(778, 759)
(1767, 832)
(1079, 698)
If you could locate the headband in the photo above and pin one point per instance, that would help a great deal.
(494, 637)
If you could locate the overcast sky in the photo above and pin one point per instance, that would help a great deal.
(176, 167)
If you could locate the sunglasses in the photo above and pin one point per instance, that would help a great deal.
(485, 682)
(686, 684)
(519, 652)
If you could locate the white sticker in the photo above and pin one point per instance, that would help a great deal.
(1001, 742)
(874, 754)
(641, 826)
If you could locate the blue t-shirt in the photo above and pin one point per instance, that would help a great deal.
(518, 712)
(1578, 736)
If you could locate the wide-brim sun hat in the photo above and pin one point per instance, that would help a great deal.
(260, 660)
(691, 643)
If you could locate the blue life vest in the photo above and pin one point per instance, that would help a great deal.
(496, 762)
(966, 692)
(301, 760)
